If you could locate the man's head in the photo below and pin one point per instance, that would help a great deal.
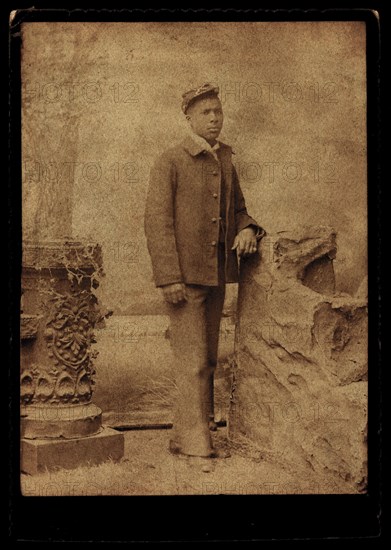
(204, 112)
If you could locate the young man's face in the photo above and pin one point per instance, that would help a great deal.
(205, 117)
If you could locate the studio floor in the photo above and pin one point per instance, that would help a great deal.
(147, 468)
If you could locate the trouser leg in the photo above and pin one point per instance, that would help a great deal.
(214, 308)
(195, 327)
(191, 434)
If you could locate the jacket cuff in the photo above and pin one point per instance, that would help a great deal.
(260, 232)
(161, 283)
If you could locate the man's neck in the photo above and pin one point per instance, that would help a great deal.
(212, 142)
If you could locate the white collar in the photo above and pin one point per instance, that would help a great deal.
(205, 145)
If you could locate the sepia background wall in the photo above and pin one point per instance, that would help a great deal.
(101, 101)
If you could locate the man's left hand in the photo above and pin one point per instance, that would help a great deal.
(245, 242)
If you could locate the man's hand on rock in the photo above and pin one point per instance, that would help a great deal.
(175, 293)
(245, 242)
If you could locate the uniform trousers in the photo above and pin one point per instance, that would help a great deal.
(194, 336)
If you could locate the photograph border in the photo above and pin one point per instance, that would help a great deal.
(218, 517)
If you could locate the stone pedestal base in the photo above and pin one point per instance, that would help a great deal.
(60, 422)
(39, 455)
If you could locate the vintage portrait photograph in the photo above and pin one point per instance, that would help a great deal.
(194, 304)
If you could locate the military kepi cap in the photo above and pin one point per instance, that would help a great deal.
(196, 93)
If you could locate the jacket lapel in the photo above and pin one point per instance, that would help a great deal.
(225, 155)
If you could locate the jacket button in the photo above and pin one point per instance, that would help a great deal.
(213, 243)
(214, 220)
(215, 173)
(215, 195)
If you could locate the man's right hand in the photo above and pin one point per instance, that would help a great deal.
(175, 293)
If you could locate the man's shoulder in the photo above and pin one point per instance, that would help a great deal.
(172, 153)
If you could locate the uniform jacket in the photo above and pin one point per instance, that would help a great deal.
(182, 215)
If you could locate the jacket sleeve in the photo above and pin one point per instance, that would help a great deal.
(159, 223)
(242, 219)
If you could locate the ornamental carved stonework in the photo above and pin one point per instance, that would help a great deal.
(69, 336)
(57, 333)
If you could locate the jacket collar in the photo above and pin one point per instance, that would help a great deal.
(194, 147)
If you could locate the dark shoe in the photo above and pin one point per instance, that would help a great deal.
(220, 453)
(175, 450)
(205, 464)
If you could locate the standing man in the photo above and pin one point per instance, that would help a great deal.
(197, 225)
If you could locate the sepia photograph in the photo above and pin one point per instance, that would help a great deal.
(194, 279)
